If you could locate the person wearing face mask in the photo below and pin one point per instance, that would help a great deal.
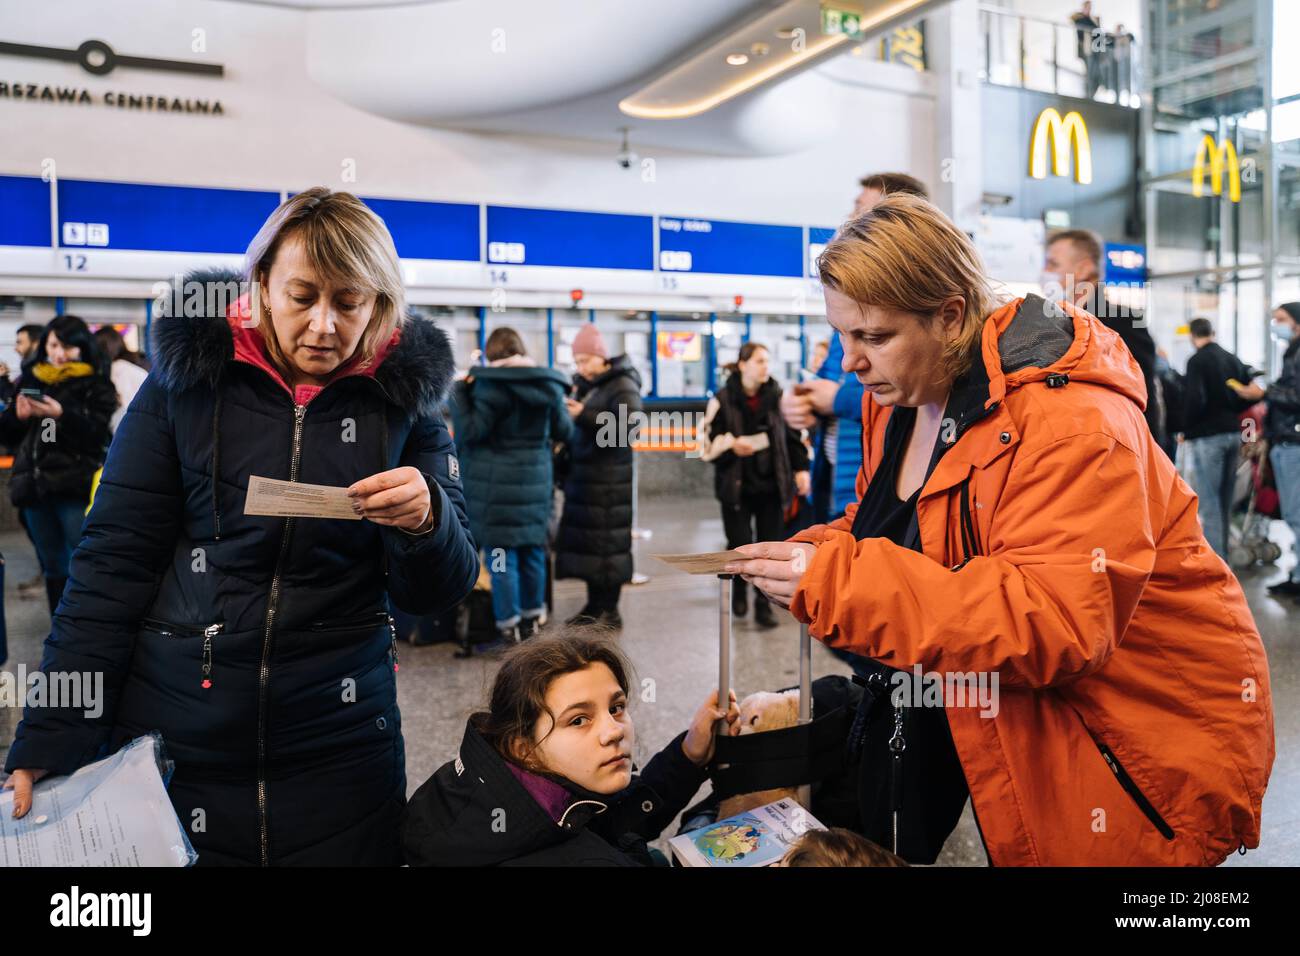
(1017, 520)
(59, 425)
(1282, 430)
(546, 776)
(759, 462)
(1073, 272)
(594, 542)
(260, 647)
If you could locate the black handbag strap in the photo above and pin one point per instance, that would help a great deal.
(790, 757)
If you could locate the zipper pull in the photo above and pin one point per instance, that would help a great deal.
(298, 412)
(209, 632)
(392, 630)
(898, 743)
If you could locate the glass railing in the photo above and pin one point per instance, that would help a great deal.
(1054, 57)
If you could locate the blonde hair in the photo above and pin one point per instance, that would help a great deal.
(346, 244)
(905, 254)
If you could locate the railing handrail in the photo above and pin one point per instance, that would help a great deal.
(1003, 12)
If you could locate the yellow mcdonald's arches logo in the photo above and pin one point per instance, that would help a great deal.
(1062, 132)
(1218, 153)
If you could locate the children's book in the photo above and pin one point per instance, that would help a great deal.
(758, 837)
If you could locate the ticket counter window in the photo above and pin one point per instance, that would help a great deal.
(681, 356)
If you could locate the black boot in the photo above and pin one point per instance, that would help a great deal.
(763, 615)
(739, 598)
(528, 627)
(584, 618)
(54, 591)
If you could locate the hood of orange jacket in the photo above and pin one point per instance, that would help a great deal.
(1062, 564)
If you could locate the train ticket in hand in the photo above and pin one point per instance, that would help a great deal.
(708, 562)
(293, 499)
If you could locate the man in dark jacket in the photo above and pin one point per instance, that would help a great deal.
(1074, 259)
(1212, 429)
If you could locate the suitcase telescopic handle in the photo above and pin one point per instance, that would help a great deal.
(725, 584)
(724, 648)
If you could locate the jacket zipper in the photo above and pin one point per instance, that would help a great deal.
(184, 630)
(392, 634)
(264, 673)
(897, 744)
(1135, 792)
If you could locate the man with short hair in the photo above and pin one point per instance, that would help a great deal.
(1212, 429)
(1074, 260)
(26, 339)
(832, 402)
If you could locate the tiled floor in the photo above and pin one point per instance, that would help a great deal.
(670, 635)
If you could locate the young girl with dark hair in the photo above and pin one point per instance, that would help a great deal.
(544, 776)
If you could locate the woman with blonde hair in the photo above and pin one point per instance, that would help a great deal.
(1020, 538)
(260, 646)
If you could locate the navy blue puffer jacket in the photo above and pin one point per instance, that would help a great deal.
(506, 419)
(259, 647)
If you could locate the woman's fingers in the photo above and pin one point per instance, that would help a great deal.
(404, 518)
(764, 568)
(778, 591)
(21, 784)
(393, 497)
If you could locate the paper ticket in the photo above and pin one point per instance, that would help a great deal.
(707, 562)
(293, 499)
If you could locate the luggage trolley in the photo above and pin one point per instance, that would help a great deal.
(795, 756)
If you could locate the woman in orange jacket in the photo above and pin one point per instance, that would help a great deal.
(1018, 528)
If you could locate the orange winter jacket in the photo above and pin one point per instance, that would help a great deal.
(1061, 551)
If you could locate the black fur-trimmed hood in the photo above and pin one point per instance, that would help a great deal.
(192, 343)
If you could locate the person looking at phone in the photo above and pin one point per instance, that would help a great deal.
(58, 428)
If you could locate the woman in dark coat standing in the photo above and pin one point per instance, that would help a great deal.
(595, 540)
(60, 439)
(260, 646)
(506, 416)
(755, 485)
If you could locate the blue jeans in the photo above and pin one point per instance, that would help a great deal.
(55, 529)
(518, 583)
(1214, 473)
(1286, 471)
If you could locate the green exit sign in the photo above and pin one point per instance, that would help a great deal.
(835, 22)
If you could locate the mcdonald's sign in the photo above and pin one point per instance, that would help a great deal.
(1219, 153)
(1062, 132)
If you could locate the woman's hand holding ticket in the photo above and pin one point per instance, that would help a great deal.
(774, 567)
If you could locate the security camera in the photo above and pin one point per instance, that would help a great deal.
(625, 157)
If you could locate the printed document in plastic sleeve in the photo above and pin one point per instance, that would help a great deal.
(114, 812)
